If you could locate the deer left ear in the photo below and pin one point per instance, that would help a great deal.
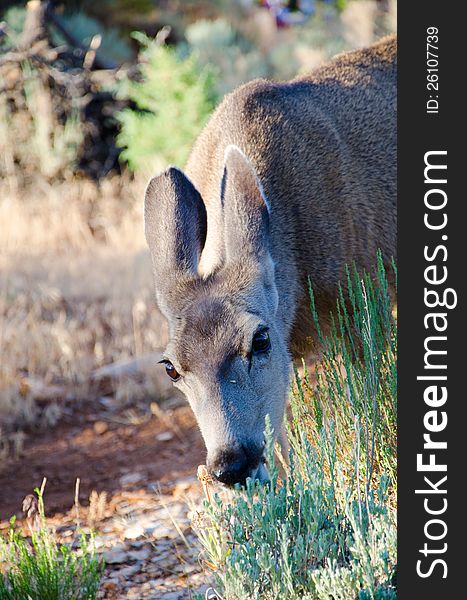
(246, 213)
(175, 227)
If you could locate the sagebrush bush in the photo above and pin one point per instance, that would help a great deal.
(328, 529)
(174, 98)
(357, 382)
(43, 569)
(113, 46)
(245, 49)
(220, 45)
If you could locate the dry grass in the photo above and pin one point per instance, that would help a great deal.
(75, 294)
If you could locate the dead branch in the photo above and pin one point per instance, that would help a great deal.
(127, 368)
(35, 24)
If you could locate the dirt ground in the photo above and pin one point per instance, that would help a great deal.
(147, 471)
(100, 451)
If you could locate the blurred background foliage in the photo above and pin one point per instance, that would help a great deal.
(173, 88)
(161, 83)
(84, 27)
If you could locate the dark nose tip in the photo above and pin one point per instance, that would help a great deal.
(232, 467)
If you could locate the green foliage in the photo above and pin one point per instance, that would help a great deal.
(235, 58)
(84, 28)
(54, 145)
(359, 370)
(43, 569)
(34, 137)
(174, 98)
(328, 529)
(241, 52)
(15, 17)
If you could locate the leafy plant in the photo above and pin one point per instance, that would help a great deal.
(357, 382)
(173, 100)
(84, 27)
(34, 137)
(328, 529)
(235, 59)
(43, 569)
(54, 145)
(113, 45)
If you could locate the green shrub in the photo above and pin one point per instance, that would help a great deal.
(243, 48)
(113, 46)
(241, 52)
(174, 98)
(328, 529)
(357, 383)
(235, 59)
(34, 136)
(14, 17)
(43, 569)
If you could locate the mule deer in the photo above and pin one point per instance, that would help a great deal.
(287, 181)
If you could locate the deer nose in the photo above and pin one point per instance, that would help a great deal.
(230, 468)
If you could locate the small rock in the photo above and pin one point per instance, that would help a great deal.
(133, 532)
(164, 436)
(165, 563)
(127, 572)
(131, 478)
(134, 593)
(159, 582)
(100, 427)
(107, 529)
(110, 584)
(172, 596)
(187, 569)
(158, 558)
(158, 530)
(116, 556)
(139, 554)
(109, 402)
(68, 533)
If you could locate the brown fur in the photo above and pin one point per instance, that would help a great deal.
(324, 149)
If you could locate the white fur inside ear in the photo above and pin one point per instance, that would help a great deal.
(272, 295)
(232, 148)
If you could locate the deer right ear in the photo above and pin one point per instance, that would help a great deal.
(246, 219)
(175, 225)
(246, 214)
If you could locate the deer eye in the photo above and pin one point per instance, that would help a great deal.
(170, 370)
(261, 342)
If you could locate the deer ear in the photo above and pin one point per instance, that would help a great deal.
(246, 213)
(175, 227)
